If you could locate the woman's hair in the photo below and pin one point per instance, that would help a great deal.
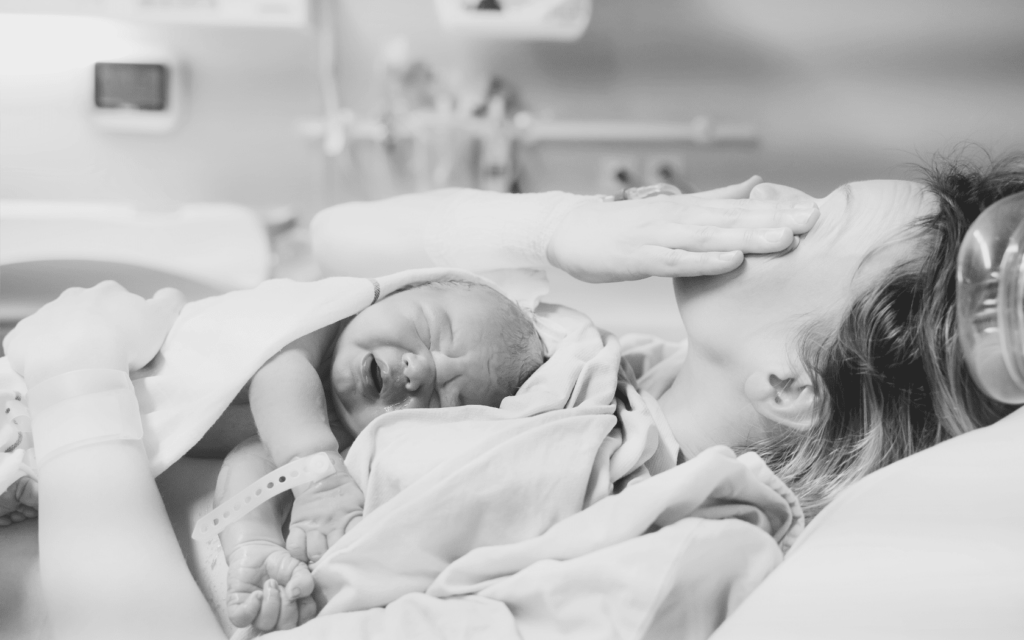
(521, 344)
(892, 378)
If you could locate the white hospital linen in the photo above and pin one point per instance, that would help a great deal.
(671, 556)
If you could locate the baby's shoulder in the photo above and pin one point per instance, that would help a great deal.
(317, 345)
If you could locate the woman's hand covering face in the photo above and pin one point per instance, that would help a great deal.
(101, 327)
(675, 236)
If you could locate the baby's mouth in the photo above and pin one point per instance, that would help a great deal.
(373, 376)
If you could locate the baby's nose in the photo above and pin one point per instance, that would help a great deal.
(417, 370)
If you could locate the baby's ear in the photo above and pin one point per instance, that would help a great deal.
(785, 397)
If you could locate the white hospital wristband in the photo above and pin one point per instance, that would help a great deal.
(80, 408)
(297, 472)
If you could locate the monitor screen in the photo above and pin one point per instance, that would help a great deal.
(131, 86)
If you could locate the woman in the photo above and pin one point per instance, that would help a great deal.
(865, 372)
(831, 361)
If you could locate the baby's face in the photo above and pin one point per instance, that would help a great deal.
(425, 347)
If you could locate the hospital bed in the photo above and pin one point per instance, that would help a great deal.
(929, 547)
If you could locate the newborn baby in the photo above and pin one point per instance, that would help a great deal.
(440, 344)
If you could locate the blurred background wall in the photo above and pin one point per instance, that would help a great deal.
(837, 91)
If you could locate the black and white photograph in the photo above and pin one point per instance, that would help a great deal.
(511, 319)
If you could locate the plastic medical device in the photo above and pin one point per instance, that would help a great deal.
(990, 299)
(295, 473)
(138, 90)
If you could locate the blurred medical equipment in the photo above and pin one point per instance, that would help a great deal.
(202, 249)
(559, 20)
(46, 247)
(990, 299)
(648, 191)
(225, 13)
(435, 128)
(138, 90)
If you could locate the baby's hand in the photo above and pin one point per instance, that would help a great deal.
(19, 502)
(322, 512)
(256, 571)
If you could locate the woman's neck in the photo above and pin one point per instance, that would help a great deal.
(704, 408)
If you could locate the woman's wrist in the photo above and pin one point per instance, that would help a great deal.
(557, 219)
(82, 407)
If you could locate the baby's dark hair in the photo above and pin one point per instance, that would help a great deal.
(892, 374)
(521, 343)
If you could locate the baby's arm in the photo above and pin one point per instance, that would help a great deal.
(267, 587)
(287, 400)
(288, 403)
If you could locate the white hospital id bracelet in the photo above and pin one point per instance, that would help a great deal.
(82, 407)
(295, 473)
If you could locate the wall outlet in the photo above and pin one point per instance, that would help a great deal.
(616, 173)
(669, 168)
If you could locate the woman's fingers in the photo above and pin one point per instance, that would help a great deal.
(661, 261)
(270, 608)
(296, 543)
(741, 190)
(289, 616)
(316, 545)
(167, 302)
(632, 239)
(103, 326)
(799, 217)
(156, 316)
(307, 610)
(723, 239)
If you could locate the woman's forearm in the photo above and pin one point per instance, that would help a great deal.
(110, 562)
(466, 228)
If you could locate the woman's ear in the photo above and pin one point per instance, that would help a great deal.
(786, 398)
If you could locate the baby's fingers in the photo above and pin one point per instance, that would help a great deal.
(301, 583)
(242, 608)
